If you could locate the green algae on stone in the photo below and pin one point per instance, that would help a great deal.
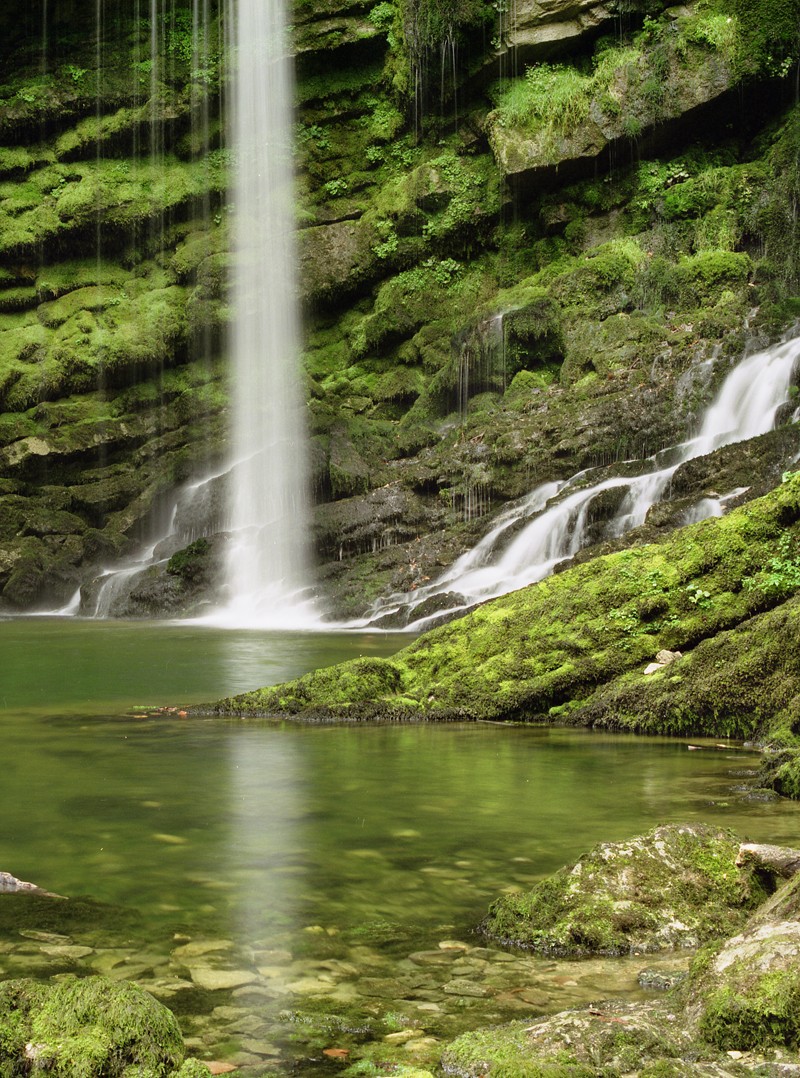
(677, 886)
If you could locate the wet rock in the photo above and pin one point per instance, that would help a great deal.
(11, 885)
(659, 979)
(336, 259)
(215, 980)
(444, 957)
(381, 518)
(466, 988)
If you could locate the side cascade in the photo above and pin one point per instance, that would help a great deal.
(267, 561)
(554, 521)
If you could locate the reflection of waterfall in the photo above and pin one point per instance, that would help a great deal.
(264, 815)
(266, 566)
(558, 520)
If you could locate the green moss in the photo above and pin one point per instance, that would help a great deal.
(190, 561)
(780, 770)
(84, 1028)
(507, 1052)
(709, 272)
(766, 1014)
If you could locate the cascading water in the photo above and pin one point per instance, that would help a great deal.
(267, 516)
(266, 566)
(553, 522)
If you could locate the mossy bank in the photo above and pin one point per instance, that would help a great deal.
(574, 646)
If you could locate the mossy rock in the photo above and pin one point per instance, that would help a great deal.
(610, 1039)
(738, 1004)
(745, 994)
(780, 770)
(677, 886)
(739, 680)
(82, 1028)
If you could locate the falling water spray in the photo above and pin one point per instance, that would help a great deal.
(268, 556)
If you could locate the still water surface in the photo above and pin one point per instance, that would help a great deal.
(288, 889)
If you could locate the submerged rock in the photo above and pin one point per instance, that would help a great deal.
(677, 886)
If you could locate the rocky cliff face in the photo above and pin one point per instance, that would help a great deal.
(518, 238)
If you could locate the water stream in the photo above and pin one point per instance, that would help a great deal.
(287, 890)
(553, 522)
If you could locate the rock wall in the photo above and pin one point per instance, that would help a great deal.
(622, 207)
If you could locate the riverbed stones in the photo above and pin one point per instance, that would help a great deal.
(677, 886)
(214, 980)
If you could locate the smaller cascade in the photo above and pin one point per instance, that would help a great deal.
(557, 520)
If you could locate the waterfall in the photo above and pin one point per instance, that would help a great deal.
(266, 566)
(554, 522)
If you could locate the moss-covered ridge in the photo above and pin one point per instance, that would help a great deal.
(528, 654)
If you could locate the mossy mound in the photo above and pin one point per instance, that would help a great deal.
(677, 886)
(742, 679)
(527, 654)
(82, 1028)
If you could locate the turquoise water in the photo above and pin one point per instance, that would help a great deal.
(279, 886)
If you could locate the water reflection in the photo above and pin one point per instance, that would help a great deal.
(264, 816)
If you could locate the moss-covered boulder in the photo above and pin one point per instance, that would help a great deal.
(746, 994)
(85, 1028)
(677, 886)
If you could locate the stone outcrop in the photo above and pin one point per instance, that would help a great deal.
(736, 1013)
(643, 99)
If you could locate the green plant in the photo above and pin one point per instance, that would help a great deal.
(382, 16)
(75, 73)
(335, 188)
(781, 575)
(698, 596)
